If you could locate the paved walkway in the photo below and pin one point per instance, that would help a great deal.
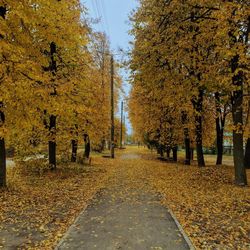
(125, 216)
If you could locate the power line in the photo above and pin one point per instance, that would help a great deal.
(96, 12)
(105, 16)
(99, 9)
(99, 14)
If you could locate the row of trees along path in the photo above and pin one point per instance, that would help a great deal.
(190, 77)
(55, 80)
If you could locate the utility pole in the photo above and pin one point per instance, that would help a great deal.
(121, 125)
(124, 122)
(112, 132)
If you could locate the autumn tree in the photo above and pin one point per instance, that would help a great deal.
(191, 55)
(53, 89)
(234, 22)
(16, 61)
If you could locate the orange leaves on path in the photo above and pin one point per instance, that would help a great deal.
(37, 209)
(213, 212)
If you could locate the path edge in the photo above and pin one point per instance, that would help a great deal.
(59, 244)
(185, 236)
(75, 221)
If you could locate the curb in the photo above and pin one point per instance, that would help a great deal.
(187, 239)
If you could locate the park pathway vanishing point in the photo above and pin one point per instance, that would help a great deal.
(125, 215)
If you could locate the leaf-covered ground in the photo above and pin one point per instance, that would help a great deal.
(38, 207)
(212, 210)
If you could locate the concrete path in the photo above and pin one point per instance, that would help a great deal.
(126, 215)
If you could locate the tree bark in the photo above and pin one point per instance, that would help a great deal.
(52, 142)
(2, 163)
(198, 105)
(187, 147)
(3, 11)
(87, 146)
(74, 144)
(247, 155)
(219, 142)
(168, 152)
(237, 110)
(175, 153)
(52, 125)
(160, 150)
(186, 140)
(220, 123)
(247, 151)
(238, 152)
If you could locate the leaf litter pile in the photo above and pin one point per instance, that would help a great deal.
(37, 209)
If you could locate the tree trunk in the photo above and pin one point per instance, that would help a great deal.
(160, 150)
(247, 151)
(198, 105)
(247, 155)
(74, 144)
(175, 152)
(238, 152)
(52, 142)
(199, 143)
(237, 109)
(187, 147)
(2, 120)
(219, 142)
(52, 125)
(220, 123)
(186, 138)
(2, 163)
(168, 152)
(87, 146)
